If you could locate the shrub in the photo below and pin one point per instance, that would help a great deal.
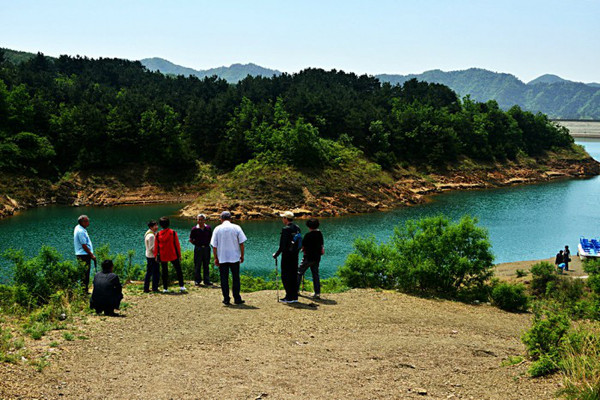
(430, 255)
(369, 265)
(542, 273)
(38, 278)
(543, 341)
(510, 297)
(521, 273)
(565, 290)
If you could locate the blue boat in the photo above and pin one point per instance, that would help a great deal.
(588, 248)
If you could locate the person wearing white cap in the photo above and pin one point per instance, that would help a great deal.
(228, 249)
(289, 257)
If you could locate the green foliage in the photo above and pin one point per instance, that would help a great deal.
(510, 297)
(75, 113)
(579, 364)
(431, 255)
(543, 340)
(37, 279)
(542, 274)
(370, 265)
(123, 264)
(521, 273)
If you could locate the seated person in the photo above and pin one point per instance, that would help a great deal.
(107, 293)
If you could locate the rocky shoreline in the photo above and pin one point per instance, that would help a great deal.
(403, 190)
(406, 190)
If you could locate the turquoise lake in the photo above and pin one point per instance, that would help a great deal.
(524, 223)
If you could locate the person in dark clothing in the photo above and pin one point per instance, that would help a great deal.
(200, 237)
(566, 257)
(107, 292)
(559, 261)
(289, 258)
(313, 248)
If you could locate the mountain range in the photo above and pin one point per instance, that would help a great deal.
(550, 94)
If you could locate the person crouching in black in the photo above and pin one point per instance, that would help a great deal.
(107, 293)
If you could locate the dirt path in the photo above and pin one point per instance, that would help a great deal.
(359, 344)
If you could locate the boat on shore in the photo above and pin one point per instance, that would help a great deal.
(588, 248)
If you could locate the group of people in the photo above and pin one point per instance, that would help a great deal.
(563, 257)
(225, 243)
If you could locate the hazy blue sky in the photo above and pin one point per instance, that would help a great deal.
(526, 38)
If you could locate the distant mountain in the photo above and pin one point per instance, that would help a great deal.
(232, 74)
(550, 94)
(548, 78)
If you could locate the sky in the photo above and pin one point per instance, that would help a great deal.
(526, 38)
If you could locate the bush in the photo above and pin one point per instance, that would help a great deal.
(38, 278)
(431, 255)
(565, 290)
(510, 297)
(542, 273)
(543, 341)
(521, 273)
(369, 265)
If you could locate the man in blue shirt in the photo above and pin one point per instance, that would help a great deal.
(84, 251)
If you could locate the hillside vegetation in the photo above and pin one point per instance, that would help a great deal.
(74, 114)
(550, 94)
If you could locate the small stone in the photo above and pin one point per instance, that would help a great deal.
(422, 392)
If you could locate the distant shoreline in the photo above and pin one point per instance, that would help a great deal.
(585, 129)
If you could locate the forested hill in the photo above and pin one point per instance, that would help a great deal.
(550, 94)
(232, 74)
(74, 113)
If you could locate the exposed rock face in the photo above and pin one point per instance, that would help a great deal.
(405, 189)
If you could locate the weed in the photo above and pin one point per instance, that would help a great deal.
(512, 360)
(68, 336)
(521, 273)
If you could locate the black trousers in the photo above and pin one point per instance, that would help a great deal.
(165, 272)
(289, 274)
(224, 269)
(151, 273)
(314, 269)
(201, 264)
(85, 262)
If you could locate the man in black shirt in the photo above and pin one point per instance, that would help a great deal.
(289, 258)
(313, 248)
(200, 237)
(107, 293)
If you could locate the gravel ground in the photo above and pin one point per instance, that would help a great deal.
(363, 344)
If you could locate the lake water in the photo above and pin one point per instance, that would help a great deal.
(524, 223)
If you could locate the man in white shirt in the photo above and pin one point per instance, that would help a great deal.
(84, 251)
(228, 248)
(152, 267)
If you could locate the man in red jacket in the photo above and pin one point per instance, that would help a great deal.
(167, 249)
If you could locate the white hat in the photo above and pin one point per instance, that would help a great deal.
(287, 214)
